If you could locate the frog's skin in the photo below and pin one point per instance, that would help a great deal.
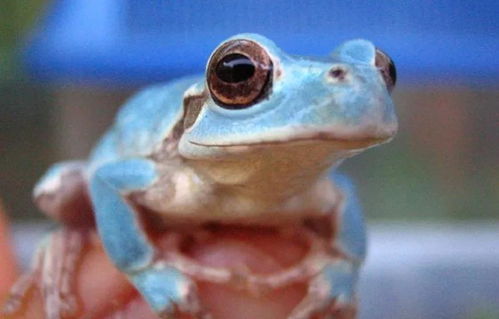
(256, 152)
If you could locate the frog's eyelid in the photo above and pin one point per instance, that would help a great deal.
(356, 51)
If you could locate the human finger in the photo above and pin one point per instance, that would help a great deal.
(8, 267)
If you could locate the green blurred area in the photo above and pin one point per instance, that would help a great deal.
(24, 110)
(442, 165)
(484, 314)
(16, 19)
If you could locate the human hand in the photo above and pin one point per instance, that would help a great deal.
(8, 271)
(103, 292)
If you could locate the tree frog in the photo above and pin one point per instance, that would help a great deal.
(252, 142)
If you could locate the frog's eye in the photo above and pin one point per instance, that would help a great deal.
(239, 74)
(386, 66)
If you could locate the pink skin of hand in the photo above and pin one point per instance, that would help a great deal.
(8, 267)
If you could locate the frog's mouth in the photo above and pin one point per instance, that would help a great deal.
(339, 137)
(344, 143)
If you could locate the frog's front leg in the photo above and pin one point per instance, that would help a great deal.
(164, 287)
(333, 290)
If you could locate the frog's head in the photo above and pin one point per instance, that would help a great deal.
(262, 105)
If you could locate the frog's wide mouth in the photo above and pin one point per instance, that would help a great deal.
(347, 143)
(340, 137)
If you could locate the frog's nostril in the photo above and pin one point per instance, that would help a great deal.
(337, 73)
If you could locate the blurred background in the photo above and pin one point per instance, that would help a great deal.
(432, 194)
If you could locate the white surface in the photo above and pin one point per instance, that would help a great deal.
(431, 271)
(413, 271)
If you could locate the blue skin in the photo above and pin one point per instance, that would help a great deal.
(303, 100)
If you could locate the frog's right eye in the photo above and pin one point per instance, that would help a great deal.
(387, 69)
(239, 74)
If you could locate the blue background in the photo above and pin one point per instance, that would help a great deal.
(134, 41)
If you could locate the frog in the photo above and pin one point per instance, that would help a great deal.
(254, 141)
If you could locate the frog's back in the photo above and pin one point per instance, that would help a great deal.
(143, 122)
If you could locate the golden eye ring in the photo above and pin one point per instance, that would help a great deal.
(239, 74)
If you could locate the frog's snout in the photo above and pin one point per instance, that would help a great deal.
(338, 73)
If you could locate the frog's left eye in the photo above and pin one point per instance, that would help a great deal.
(239, 74)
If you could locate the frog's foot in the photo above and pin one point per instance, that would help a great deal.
(318, 256)
(329, 274)
(319, 253)
(174, 256)
(331, 293)
(53, 273)
(168, 291)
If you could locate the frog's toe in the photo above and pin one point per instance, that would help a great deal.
(168, 291)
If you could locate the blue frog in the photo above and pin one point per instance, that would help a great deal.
(252, 142)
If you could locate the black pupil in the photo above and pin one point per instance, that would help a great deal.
(235, 68)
